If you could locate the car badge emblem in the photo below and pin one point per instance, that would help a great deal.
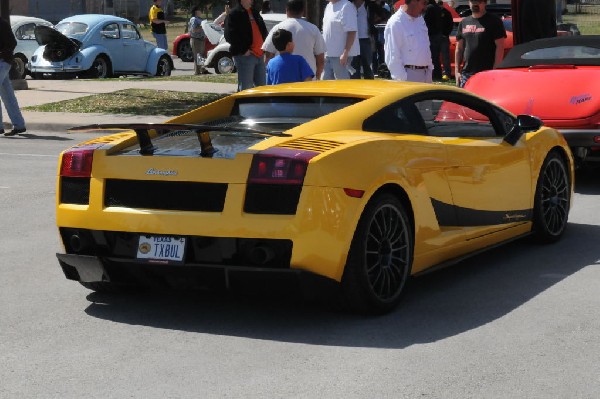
(159, 172)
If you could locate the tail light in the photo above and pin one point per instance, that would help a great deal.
(275, 181)
(280, 166)
(77, 162)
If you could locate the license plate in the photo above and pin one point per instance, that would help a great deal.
(161, 248)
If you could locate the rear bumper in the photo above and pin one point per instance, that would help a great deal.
(55, 69)
(91, 269)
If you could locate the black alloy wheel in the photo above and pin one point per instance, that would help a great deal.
(184, 51)
(380, 257)
(552, 199)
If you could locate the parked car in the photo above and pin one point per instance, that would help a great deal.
(556, 79)
(182, 47)
(96, 46)
(22, 28)
(220, 58)
(357, 185)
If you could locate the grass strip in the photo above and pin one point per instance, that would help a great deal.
(133, 102)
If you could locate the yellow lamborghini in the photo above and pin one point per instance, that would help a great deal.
(359, 183)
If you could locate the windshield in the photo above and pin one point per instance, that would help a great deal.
(72, 28)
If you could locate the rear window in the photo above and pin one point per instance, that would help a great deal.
(290, 106)
(562, 52)
(72, 28)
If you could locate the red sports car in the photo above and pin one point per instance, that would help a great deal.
(557, 80)
(183, 49)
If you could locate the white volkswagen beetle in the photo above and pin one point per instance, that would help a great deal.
(221, 59)
(22, 28)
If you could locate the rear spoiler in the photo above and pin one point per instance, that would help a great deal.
(202, 130)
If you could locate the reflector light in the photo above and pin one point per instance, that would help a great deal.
(596, 139)
(77, 162)
(280, 166)
(351, 192)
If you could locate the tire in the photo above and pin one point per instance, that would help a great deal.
(224, 63)
(100, 69)
(552, 200)
(163, 68)
(19, 69)
(184, 51)
(374, 279)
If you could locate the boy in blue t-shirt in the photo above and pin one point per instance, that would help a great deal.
(287, 67)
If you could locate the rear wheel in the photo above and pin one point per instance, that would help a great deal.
(552, 200)
(100, 68)
(224, 63)
(164, 66)
(184, 51)
(380, 257)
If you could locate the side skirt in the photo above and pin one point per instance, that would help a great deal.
(459, 259)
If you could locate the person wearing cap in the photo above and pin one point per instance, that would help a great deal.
(406, 44)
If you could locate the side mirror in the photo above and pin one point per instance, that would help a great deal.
(528, 123)
(525, 123)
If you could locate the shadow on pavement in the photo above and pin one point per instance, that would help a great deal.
(44, 137)
(587, 181)
(436, 306)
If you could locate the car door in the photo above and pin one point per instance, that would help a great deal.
(423, 160)
(490, 180)
(134, 47)
(110, 39)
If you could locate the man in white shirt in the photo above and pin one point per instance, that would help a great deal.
(407, 53)
(341, 42)
(308, 41)
(363, 60)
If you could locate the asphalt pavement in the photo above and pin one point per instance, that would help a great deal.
(40, 92)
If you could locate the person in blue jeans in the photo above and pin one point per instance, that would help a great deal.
(287, 67)
(7, 94)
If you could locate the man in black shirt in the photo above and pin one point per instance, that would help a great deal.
(479, 42)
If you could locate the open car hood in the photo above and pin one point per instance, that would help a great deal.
(58, 46)
(550, 94)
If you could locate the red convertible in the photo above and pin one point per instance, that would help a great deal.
(555, 79)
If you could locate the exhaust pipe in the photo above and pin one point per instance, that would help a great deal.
(261, 255)
(77, 243)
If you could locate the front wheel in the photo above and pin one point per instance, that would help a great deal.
(380, 257)
(224, 63)
(552, 200)
(164, 66)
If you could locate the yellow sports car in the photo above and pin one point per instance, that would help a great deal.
(359, 183)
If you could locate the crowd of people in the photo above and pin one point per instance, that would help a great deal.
(414, 45)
